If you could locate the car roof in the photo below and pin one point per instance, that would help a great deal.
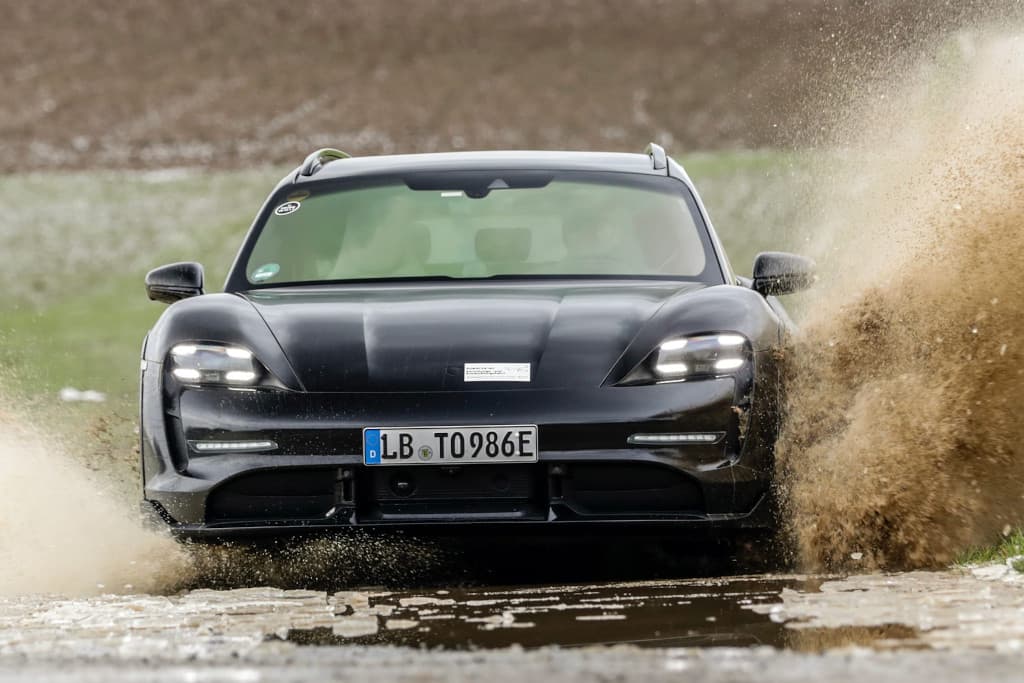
(469, 161)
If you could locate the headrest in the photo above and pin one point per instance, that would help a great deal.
(503, 244)
(419, 242)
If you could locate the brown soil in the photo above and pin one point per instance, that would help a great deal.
(110, 83)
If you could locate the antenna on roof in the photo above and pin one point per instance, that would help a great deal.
(320, 158)
(657, 154)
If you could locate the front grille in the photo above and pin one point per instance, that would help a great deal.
(471, 490)
(274, 495)
(629, 489)
(459, 493)
(472, 482)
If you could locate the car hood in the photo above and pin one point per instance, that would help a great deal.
(419, 338)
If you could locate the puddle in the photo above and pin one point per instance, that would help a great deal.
(976, 610)
(691, 613)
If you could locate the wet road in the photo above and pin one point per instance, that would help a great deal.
(211, 623)
(695, 613)
(951, 624)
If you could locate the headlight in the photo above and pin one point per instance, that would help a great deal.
(713, 354)
(699, 356)
(214, 364)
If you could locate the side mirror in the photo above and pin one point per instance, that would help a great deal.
(174, 282)
(777, 273)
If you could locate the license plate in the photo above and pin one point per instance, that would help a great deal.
(449, 445)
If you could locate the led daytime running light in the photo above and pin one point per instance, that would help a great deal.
(684, 438)
(232, 446)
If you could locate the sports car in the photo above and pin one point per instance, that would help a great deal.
(500, 340)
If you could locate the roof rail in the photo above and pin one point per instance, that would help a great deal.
(657, 154)
(320, 158)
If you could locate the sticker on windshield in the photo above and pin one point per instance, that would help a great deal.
(287, 208)
(265, 272)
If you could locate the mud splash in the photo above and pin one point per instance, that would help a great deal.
(63, 531)
(328, 563)
(903, 442)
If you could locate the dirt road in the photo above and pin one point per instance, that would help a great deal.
(941, 626)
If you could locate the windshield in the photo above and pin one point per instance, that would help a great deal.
(481, 225)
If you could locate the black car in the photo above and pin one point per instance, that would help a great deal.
(511, 339)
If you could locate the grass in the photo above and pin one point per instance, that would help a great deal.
(1010, 546)
(74, 310)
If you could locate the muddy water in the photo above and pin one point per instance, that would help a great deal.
(935, 626)
(696, 613)
(62, 528)
(731, 612)
(968, 611)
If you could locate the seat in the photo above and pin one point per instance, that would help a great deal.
(503, 250)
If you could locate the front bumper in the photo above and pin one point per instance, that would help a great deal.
(587, 475)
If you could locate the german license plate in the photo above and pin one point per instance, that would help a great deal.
(449, 445)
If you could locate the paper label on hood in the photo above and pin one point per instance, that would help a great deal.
(497, 372)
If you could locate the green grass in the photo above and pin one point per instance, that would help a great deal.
(77, 245)
(1009, 546)
(74, 311)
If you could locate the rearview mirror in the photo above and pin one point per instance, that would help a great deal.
(174, 282)
(777, 273)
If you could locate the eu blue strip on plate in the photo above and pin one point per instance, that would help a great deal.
(371, 447)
